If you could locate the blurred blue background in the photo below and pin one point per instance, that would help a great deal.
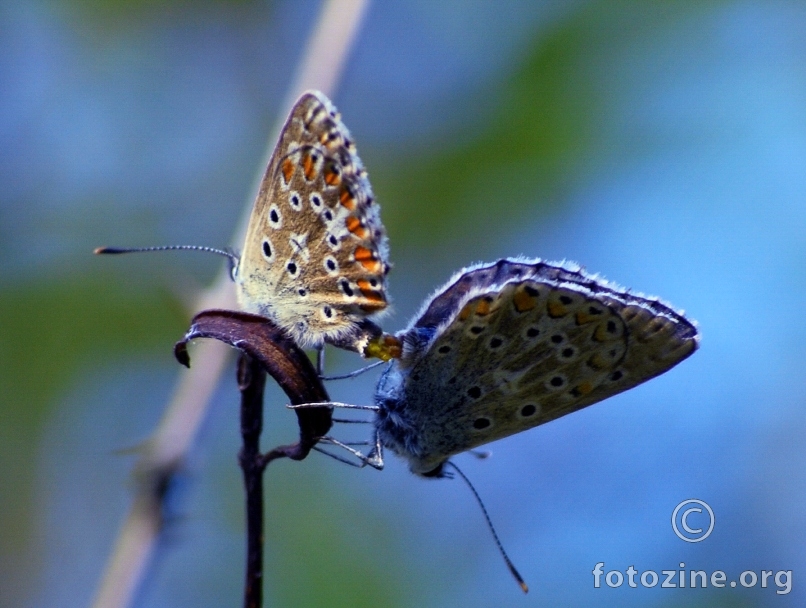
(663, 145)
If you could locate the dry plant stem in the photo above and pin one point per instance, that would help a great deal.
(251, 382)
(265, 348)
(320, 68)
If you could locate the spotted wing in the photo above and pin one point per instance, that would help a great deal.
(512, 345)
(315, 257)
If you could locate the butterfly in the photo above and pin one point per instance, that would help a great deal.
(315, 258)
(511, 345)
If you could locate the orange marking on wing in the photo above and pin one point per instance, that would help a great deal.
(603, 335)
(332, 177)
(483, 307)
(287, 169)
(583, 318)
(465, 312)
(354, 225)
(585, 388)
(598, 362)
(556, 309)
(309, 167)
(346, 199)
(373, 266)
(375, 298)
(523, 301)
(366, 257)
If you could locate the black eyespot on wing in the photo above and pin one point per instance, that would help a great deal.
(616, 375)
(557, 338)
(328, 312)
(266, 249)
(333, 240)
(301, 292)
(316, 200)
(328, 215)
(476, 329)
(531, 291)
(481, 423)
(345, 287)
(611, 327)
(557, 381)
(528, 410)
(474, 392)
(533, 332)
(595, 311)
(496, 342)
(274, 216)
(331, 265)
(567, 353)
(565, 300)
(291, 267)
(444, 349)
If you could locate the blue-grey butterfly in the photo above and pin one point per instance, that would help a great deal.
(505, 347)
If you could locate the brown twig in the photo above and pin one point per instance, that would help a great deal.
(265, 348)
(251, 381)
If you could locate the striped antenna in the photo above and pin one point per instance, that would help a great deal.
(226, 253)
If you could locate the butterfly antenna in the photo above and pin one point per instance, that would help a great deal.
(357, 372)
(233, 258)
(508, 561)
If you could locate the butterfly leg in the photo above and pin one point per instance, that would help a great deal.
(298, 406)
(371, 460)
(375, 457)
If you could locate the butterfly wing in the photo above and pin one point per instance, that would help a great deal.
(315, 257)
(512, 345)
